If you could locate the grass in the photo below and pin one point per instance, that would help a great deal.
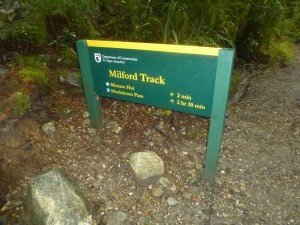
(283, 51)
(35, 75)
(235, 81)
(28, 61)
(68, 57)
(21, 103)
(32, 69)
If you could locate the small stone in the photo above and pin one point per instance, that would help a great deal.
(172, 201)
(187, 195)
(227, 170)
(29, 145)
(145, 220)
(92, 130)
(97, 183)
(119, 218)
(45, 57)
(114, 126)
(86, 122)
(49, 128)
(97, 140)
(72, 78)
(147, 167)
(158, 216)
(189, 164)
(157, 192)
(160, 125)
(164, 182)
(148, 132)
(86, 114)
(198, 166)
(125, 155)
(173, 188)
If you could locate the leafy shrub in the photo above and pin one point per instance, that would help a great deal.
(37, 23)
(250, 26)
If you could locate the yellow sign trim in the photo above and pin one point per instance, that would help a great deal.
(155, 47)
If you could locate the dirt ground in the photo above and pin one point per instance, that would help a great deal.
(258, 173)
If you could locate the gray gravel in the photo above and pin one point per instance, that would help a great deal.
(258, 178)
(258, 174)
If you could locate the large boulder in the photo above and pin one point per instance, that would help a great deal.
(147, 167)
(53, 200)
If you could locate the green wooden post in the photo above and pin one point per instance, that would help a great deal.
(219, 106)
(93, 103)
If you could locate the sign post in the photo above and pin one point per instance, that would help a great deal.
(187, 79)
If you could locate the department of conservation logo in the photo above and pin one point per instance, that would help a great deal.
(98, 57)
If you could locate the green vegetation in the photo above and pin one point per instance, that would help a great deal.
(282, 51)
(34, 75)
(235, 80)
(21, 103)
(68, 57)
(32, 69)
(259, 30)
(252, 27)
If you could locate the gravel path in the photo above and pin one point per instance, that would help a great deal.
(259, 178)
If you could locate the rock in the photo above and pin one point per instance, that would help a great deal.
(96, 140)
(157, 192)
(147, 166)
(119, 218)
(49, 128)
(187, 195)
(86, 115)
(161, 125)
(45, 57)
(86, 122)
(173, 188)
(72, 78)
(164, 182)
(172, 201)
(146, 220)
(114, 126)
(3, 70)
(158, 216)
(242, 89)
(52, 199)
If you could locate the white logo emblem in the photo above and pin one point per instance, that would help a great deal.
(98, 58)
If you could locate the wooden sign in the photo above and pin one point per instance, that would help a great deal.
(188, 79)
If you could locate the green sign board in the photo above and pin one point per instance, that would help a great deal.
(188, 79)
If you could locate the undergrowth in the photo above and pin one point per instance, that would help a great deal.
(21, 103)
(252, 27)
